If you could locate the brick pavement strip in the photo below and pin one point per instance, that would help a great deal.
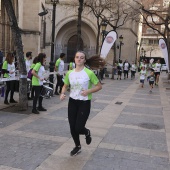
(43, 142)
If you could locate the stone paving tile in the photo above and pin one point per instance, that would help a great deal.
(137, 138)
(92, 114)
(144, 110)
(97, 105)
(146, 96)
(146, 92)
(109, 92)
(104, 97)
(62, 112)
(119, 160)
(48, 127)
(146, 101)
(25, 153)
(137, 120)
(7, 118)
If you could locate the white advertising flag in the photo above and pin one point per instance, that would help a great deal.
(164, 50)
(108, 43)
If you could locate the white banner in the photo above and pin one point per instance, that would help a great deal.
(108, 43)
(164, 50)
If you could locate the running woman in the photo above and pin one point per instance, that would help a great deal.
(81, 80)
(151, 80)
(133, 70)
(157, 68)
(143, 74)
(119, 70)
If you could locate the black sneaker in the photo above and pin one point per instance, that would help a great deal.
(75, 151)
(29, 98)
(35, 111)
(6, 102)
(56, 93)
(13, 101)
(88, 138)
(41, 109)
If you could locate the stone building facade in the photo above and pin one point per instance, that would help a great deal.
(150, 37)
(36, 34)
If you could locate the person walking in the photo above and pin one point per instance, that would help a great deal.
(151, 79)
(81, 80)
(126, 67)
(59, 67)
(72, 64)
(8, 69)
(37, 83)
(133, 70)
(119, 68)
(28, 67)
(157, 68)
(143, 74)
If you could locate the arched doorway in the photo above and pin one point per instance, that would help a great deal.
(72, 47)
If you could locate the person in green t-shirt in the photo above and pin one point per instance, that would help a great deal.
(35, 60)
(37, 83)
(81, 80)
(72, 64)
(8, 69)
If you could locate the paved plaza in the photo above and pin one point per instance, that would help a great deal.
(130, 130)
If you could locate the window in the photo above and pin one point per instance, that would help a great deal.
(154, 18)
(165, 3)
(151, 31)
(153, 42)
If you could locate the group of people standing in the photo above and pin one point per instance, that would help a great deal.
(124, 68)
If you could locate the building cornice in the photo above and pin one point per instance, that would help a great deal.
(26, 31)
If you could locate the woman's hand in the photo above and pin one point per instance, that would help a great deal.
(41, 79)
(84, 93)
(62, 96)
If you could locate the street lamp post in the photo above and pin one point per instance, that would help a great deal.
(151, 51)
(121, 43)
(54, 2)
(137, 44)
(104, 25)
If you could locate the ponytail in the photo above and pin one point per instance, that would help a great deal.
(95, 62)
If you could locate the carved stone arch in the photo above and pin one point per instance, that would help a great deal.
(69, 31)
(66, 20)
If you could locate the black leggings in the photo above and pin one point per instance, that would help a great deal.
(10, 86)
(126, 73)
(37, 97)
(60, 83)
(78, 113)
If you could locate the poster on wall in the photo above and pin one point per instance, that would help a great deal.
(108, 43)
(164, 50)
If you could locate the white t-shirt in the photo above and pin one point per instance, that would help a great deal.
(126, 66)
(11, 67)
(120, 65)
(79, 81)
(133, 67)
(41, 73)
(157, 67)
(142, 74)
(60, 65)
(28, 65)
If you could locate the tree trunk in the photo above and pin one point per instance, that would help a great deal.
(98, 36)
(114, 60)
(80, 10)
(168, 41)
(16, 33)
